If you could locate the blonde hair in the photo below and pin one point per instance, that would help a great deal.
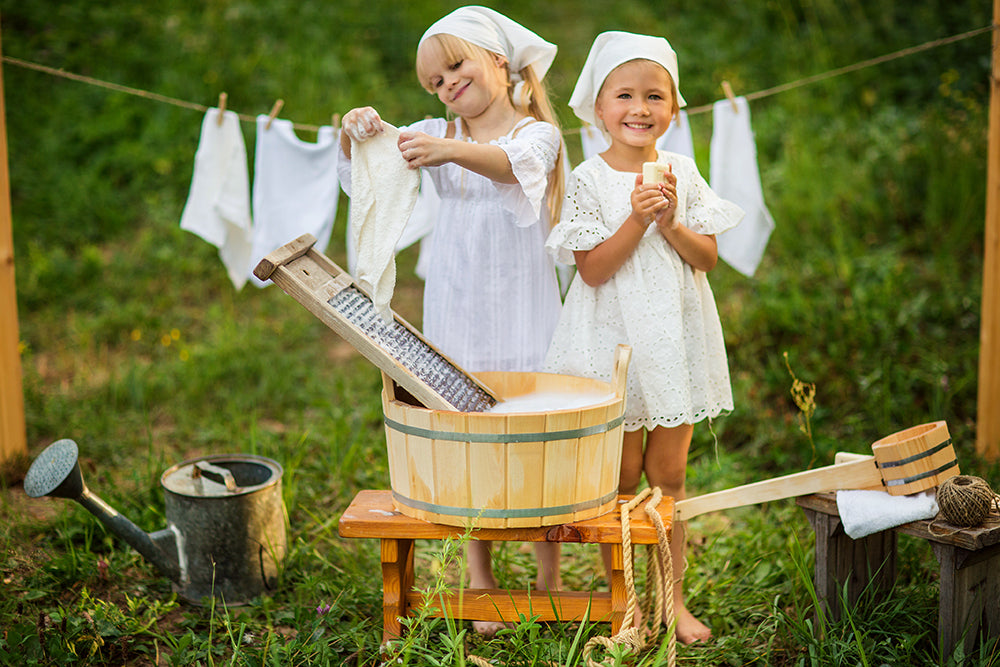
(533, 97)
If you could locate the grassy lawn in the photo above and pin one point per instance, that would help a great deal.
(135, 344)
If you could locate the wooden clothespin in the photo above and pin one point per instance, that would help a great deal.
(336, 121)
(222, 107)
(274, 113)
(728, 90)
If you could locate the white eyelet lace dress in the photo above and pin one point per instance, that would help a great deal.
(656, 302)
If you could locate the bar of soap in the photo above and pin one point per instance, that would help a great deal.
(654, 172)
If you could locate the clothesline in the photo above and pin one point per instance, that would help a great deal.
(767, 92)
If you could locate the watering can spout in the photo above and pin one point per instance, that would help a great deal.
(56, 473)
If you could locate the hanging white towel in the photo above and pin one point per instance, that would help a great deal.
(295, 188)
(735, 176)
(592, 141)
(218, 204)
(677, 139)
(383, 192)
(864, 512)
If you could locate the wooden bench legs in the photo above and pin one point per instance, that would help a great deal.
(969, 579)
(970, 595)
(397, 582)
(493, 604)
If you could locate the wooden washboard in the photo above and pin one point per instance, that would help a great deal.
(396, 347)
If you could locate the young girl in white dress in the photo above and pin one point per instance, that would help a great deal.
(491, 299)
(642, 251)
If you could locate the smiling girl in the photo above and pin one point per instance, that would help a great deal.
(491, 299)
(641, 252)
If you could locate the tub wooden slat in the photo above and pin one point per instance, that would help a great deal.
(508, 470)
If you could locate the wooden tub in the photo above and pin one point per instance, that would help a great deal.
(508, 470)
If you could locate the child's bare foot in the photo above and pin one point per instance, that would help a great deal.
(490, 628)
(690, 629)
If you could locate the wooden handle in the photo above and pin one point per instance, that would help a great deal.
(623, 354)
(858, 474)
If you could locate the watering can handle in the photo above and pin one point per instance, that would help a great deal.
(217, 474)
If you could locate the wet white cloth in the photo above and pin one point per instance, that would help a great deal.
(609, 50)
(864, 511)
(383, 191)
(218, 204)
(491, 299)
(734, 176)
(677, 139)
(495, 32)
(295, 188)
(420, 224)
(656, 302)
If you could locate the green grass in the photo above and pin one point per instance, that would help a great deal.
(136, 346)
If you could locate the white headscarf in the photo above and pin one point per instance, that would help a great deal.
(495, 32)
(611, 49)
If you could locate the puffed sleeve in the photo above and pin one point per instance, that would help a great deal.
(532, 152)
(701, 209)
(580, 226)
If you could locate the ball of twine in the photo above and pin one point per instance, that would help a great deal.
(965, 500)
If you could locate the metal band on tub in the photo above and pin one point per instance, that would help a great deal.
(505, 437)
(504, 513)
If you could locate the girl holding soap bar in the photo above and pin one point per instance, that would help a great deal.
(491, 298)
(642, 250)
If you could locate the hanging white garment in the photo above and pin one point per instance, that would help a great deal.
(734, 176)
(677, 138)
(218, 204)
(295, 188)
(383, 192)
(592, 141)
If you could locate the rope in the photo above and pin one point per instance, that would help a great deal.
(660, 569)
(767, 92)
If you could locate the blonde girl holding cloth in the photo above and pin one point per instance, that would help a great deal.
(642, 251)
(491, 299)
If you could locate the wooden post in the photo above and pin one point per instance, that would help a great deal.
(12, 435)
(988, 409)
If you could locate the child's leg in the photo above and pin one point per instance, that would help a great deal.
(549, 578)
(481, 576)
(666, 467)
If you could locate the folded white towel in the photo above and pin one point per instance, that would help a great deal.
(218, 204)
(383, 192)
(864, 512)
(734, 176)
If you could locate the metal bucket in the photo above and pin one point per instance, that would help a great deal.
(230, 519)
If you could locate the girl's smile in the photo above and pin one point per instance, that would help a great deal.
(636, 104)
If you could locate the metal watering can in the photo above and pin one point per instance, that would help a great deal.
(225, 534)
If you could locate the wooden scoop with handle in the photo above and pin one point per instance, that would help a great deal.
(909, 461)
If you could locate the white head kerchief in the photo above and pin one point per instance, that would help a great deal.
(611, 49)
(495, 32)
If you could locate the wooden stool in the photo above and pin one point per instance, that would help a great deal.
(969, 562)
(371, 515)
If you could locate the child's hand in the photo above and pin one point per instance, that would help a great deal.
(361, 123)
(423, 150)
(664, 217)
(648, 200)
